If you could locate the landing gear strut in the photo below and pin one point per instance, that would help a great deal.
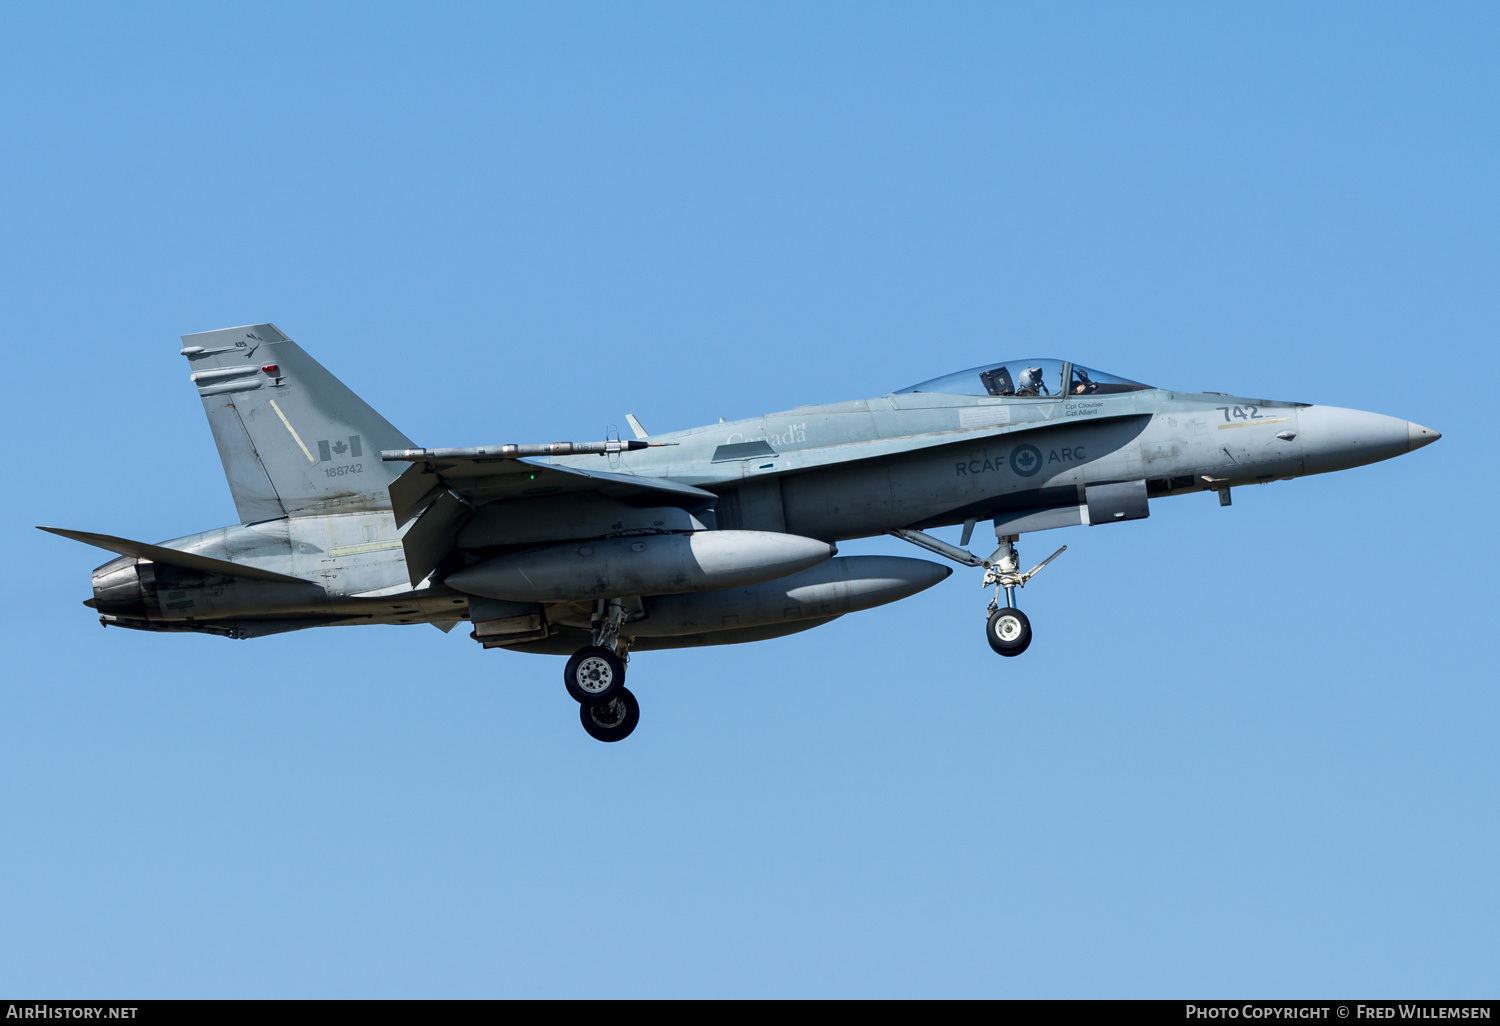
(1008, 630)
(595, 678)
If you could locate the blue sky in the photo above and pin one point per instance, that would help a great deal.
(1251, 751)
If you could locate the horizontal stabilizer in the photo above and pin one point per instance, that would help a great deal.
(174, 557)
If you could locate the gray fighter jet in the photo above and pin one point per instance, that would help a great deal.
(711, 536)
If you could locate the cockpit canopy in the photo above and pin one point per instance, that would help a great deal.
(1028, 379)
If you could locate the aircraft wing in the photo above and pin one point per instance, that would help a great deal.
(173, 557)
(492, 478)
(441, 492)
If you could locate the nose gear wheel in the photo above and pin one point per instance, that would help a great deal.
(1008, 631)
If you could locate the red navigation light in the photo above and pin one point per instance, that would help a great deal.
(271, 369)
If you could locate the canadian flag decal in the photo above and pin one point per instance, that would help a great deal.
(339, 447)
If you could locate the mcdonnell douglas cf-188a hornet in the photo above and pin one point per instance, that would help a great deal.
(711, 536)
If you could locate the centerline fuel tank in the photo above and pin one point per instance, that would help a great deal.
(843, 585)
(655, 564)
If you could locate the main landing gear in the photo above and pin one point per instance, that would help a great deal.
(1008, 630)
(595, 679)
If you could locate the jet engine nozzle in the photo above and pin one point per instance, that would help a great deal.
(127, 587)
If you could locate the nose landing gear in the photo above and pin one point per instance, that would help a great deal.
(1008, 631)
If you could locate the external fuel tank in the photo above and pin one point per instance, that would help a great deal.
(843, 585)
(654, 564)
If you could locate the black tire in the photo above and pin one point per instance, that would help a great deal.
(1009, 631)
(612, 720)
(594, 675)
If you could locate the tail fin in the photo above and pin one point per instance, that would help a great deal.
(294, 440)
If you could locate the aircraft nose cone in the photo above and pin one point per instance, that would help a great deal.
(1337, 439)
(1418, 436)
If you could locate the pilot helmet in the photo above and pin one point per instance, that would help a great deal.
(1031, 378)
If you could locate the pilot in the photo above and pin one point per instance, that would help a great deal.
(1031, 383)
(1082, 385)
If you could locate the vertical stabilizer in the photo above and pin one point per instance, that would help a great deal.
(294, 440)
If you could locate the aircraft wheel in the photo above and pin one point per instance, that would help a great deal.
(612, 720)
(1009, 631)
(594, 675)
